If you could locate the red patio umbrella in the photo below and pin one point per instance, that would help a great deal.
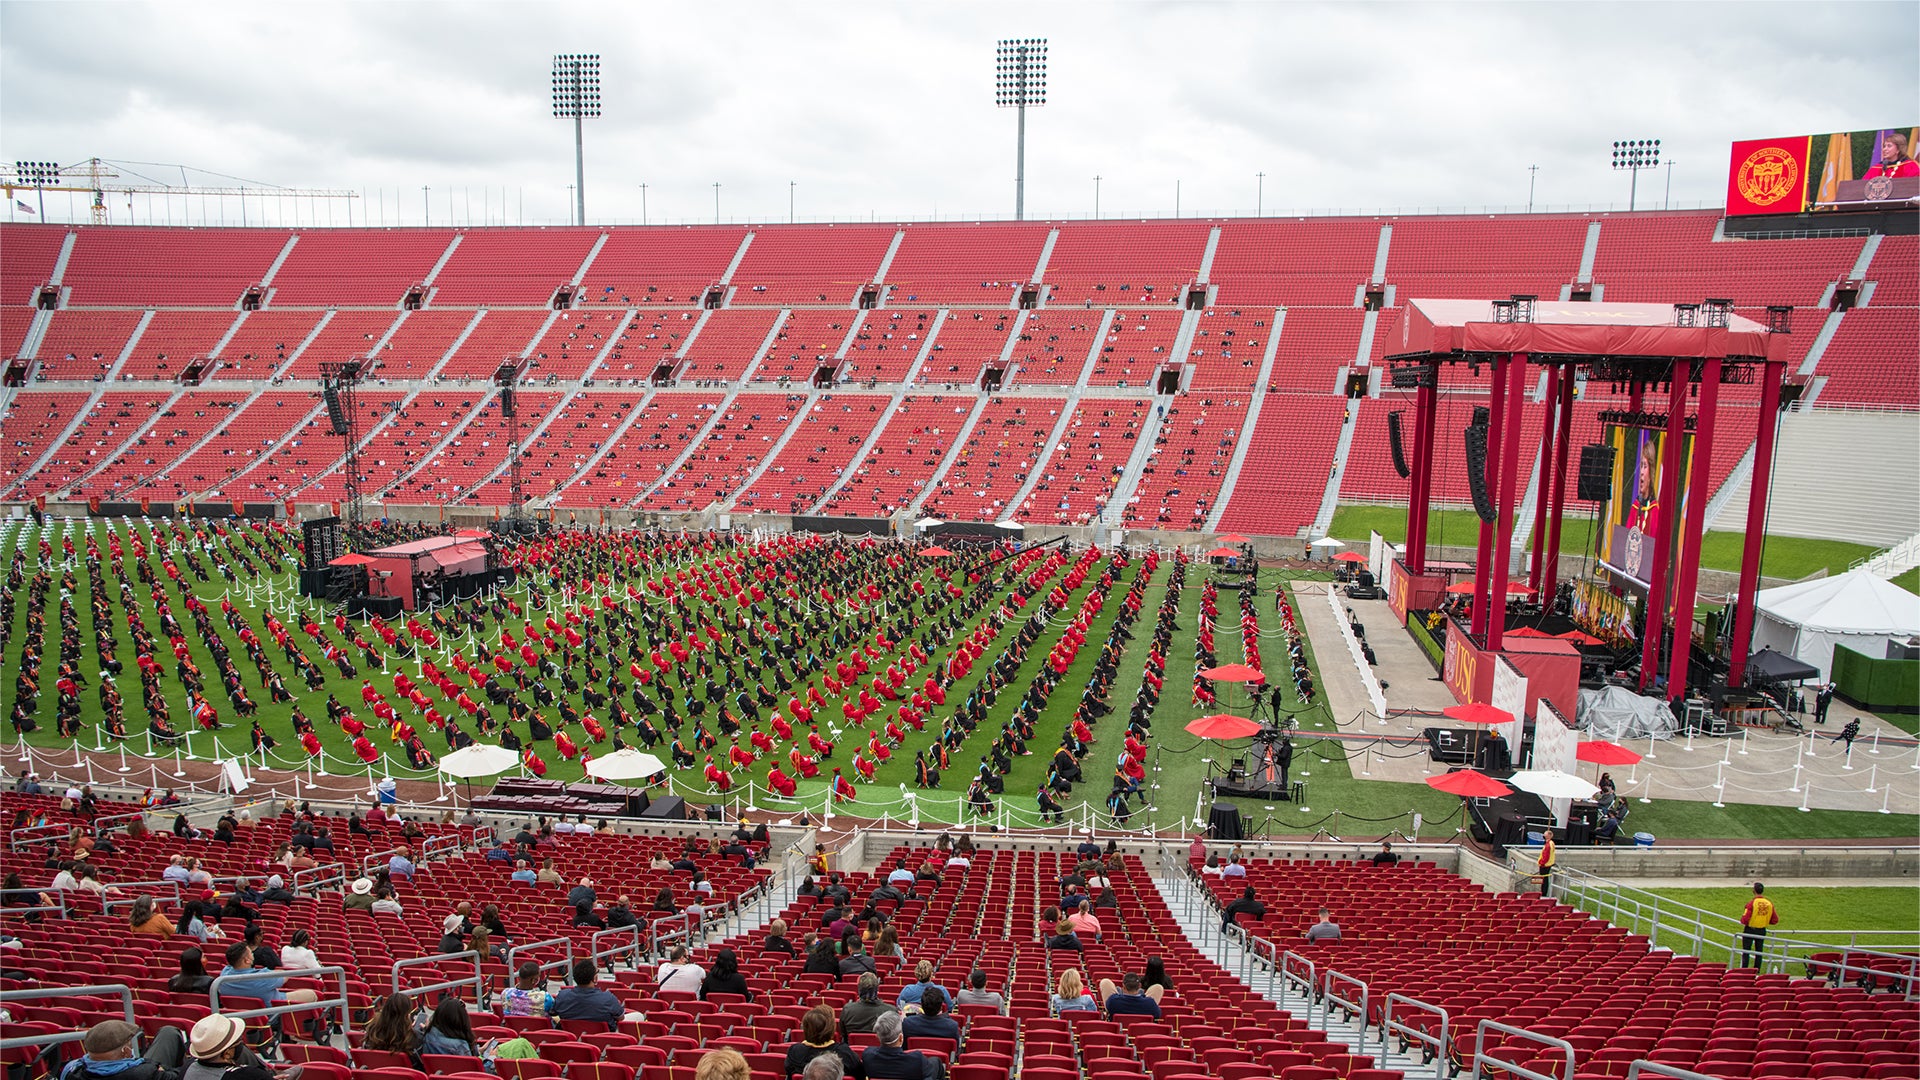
(1223, 726)
(1232, 538)
(1223, 553)
(351, 559)
(1478, 713)
(1469, 784)
(1580, 638)
(1602, 752)
(935, 552)
(1234, 673)
(1528, 631)
(1350, 556)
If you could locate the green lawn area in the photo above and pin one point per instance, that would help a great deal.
(1789, 557)
(1340, 796)
(1822, 915)
(1909, 581)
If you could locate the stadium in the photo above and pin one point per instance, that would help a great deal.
(1379, 645)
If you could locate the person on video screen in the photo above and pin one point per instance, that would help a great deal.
(1894, 158)
(1645, 507)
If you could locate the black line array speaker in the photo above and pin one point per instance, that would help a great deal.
(1477, 471)
(336, 415)
(1596, 473)
(1393, 443)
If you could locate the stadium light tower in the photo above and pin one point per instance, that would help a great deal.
(1634, 155)
(576, 97)
(1020, 80)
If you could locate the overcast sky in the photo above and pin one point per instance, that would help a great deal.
(887, 110)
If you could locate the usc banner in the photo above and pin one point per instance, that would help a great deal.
(1768, 176)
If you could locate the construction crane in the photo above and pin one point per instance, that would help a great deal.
(45, 176)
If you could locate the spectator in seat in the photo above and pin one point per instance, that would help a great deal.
(1248, 904)
(725, 978)
(359, 895)
(1070, 994)
(1385, 856)
(299, 954)
(821, 959)
(933, 1021)
(722, 1065)
(528, 995)
(143, 919)
(276, 891)
(109, 1054)
(859, 1014)
(1083, 921)
(776, 941)
(1063, 937)
(400, 865)
(1324, 930)
(385, 902)
(889, 1062)
(1233, 868)
(817, 1040)
(889, 944)
(216, 1048)
(663, 901)
(449, 1030)
(1130, 999)
(620, 915)
(977, 993)
(192, 977)
(548, 875)
(923, 981)
(677, 974)
(583, 916)
(583, 893)
(391, 1028)
(855, 959)
(1156, 978)
(584, 1000)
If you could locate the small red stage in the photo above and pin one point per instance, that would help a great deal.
(403, 570)
(1682, 351)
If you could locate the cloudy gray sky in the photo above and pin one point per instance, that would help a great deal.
(887, 110)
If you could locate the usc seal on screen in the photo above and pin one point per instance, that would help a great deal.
(1768, 175)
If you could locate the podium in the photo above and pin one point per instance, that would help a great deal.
(1879, 193)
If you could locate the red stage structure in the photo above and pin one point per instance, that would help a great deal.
(1685, 350)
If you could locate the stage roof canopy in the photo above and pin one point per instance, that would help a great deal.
(1431, 329)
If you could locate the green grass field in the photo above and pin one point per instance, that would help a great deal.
(1340, 797)
(1826, 916)
(1909, 581)
(1789, 557)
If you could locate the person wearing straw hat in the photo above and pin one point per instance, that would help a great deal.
(217, 1052)
(359, 895)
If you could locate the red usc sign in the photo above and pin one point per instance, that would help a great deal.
(1768, 176)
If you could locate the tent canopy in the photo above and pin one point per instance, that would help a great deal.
(1807, 619)
(1615, 713)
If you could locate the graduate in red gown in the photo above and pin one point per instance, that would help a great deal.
(842, 790)
(780, 783)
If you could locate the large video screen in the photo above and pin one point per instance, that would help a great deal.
(1635, 502)
(1840, 170)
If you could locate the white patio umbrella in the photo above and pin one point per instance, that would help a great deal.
(1327, 542)
(1553, 784)
(627, 764)
(929, 522)
(478, 759)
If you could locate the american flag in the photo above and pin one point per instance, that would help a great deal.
(22, 206)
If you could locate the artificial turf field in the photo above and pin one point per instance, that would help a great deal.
(1337, 801)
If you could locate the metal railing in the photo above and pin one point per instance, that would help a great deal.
(477, 980)
(602, 957)
(446, 844)
(565, 965)
(58, 906)
(1483, 1058)
(1436, 1044)
(377, 858)
(660, 932)
(320, 1005)
(1668, 924)
(61, 1038)
(104, 825)
(1330, 983)
(1297, 973)
(315, 878)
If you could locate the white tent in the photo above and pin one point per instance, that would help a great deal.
(1807, 619)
